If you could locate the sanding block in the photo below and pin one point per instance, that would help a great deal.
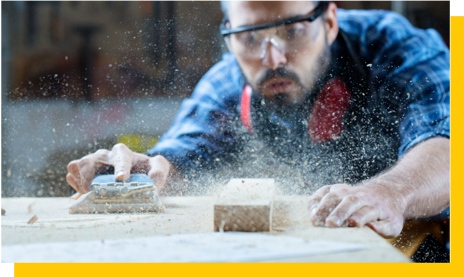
(137, 194)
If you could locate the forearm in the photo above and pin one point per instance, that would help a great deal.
(421, 179)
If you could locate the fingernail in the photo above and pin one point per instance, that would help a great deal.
(313, 211)
(120, 173)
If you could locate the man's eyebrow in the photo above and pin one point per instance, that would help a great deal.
(295, 17)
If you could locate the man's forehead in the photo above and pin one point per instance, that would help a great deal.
(244, 13)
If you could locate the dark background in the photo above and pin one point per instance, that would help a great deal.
(144, 41)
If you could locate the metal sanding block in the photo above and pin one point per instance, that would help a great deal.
(135, 195)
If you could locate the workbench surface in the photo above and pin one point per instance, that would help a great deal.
(182, 215)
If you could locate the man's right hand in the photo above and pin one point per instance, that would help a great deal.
(81, 172)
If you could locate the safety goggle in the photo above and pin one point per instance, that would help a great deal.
(287, 35)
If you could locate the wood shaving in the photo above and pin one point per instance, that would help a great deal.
(33, 220)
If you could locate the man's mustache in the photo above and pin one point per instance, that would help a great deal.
(279, 72)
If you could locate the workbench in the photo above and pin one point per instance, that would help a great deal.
(183, 215)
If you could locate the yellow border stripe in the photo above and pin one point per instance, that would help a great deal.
(234, 270)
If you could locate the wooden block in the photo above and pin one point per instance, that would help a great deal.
(245, 205)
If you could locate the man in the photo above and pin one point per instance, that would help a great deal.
(356, 100)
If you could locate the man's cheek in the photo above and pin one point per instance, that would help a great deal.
(252, 77)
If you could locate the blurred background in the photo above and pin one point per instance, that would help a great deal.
(80, 76)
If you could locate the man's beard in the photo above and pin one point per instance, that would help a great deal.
(282, 104)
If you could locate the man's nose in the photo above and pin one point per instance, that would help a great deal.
(272, 56)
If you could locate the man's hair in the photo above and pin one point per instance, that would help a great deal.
(225, 7)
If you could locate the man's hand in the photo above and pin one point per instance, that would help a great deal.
(373, 205)
(82, 171)
(416, 187)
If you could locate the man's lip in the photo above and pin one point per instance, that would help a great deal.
(278, 84)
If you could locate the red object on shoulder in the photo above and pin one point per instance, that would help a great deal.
(325, 121)
(246, 108)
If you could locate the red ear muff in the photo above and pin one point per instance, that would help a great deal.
(246, 109)
(325, 121)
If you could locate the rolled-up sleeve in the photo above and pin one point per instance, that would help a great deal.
(205, 128)
(409, 73)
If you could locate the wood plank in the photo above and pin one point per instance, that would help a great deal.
(183, 215)
(245, 205)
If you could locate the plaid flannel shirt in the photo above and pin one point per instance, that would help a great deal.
(410, 70)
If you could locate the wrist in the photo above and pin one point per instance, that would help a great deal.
(393, 187)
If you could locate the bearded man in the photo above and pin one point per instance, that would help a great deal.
(357, 102)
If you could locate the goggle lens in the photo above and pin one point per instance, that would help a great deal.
(287, 38)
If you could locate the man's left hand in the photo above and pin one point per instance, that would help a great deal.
(374, 205)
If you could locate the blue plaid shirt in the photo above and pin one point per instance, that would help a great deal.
(412, 62)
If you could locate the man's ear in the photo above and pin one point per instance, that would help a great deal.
(227, 39)
(331, 22)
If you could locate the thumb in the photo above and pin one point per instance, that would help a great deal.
(159, 170)
(388, 228)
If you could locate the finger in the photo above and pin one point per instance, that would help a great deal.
(72, 182)
(159, 171)
(73, 169)
(315, 199)
(389, 228)
(122, 161)
(86, 167)
(344, 209)
(328, 203)
(364, 215)
(140, 163)
(101, 158)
